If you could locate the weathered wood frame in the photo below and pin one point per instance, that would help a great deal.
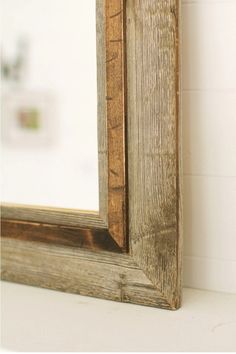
(129, 252)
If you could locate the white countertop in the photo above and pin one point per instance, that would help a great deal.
(36, 319)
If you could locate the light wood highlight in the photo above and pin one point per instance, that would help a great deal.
(102, 111)
(47, 215)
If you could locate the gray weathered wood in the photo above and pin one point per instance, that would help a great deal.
(104, 274)
(153, 140)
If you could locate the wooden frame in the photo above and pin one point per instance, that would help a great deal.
(129, 252)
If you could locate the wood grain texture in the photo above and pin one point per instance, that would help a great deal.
(153, 142)
(116, 119)
(89, 238)
(99, 274)
(59, 216)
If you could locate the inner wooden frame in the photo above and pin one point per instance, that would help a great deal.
(86, 253)
(105, 229)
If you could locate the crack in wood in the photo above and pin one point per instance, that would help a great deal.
(117, 14)
(112, 59)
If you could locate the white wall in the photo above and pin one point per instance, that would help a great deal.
(209, 133)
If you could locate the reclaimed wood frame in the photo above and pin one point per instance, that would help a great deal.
(131, 250)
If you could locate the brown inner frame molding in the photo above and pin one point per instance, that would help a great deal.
(106, 230)
(116, 114)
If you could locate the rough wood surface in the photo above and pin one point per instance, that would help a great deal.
(153, 142)
(99, 274)
(116, 119)
(89, 238)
